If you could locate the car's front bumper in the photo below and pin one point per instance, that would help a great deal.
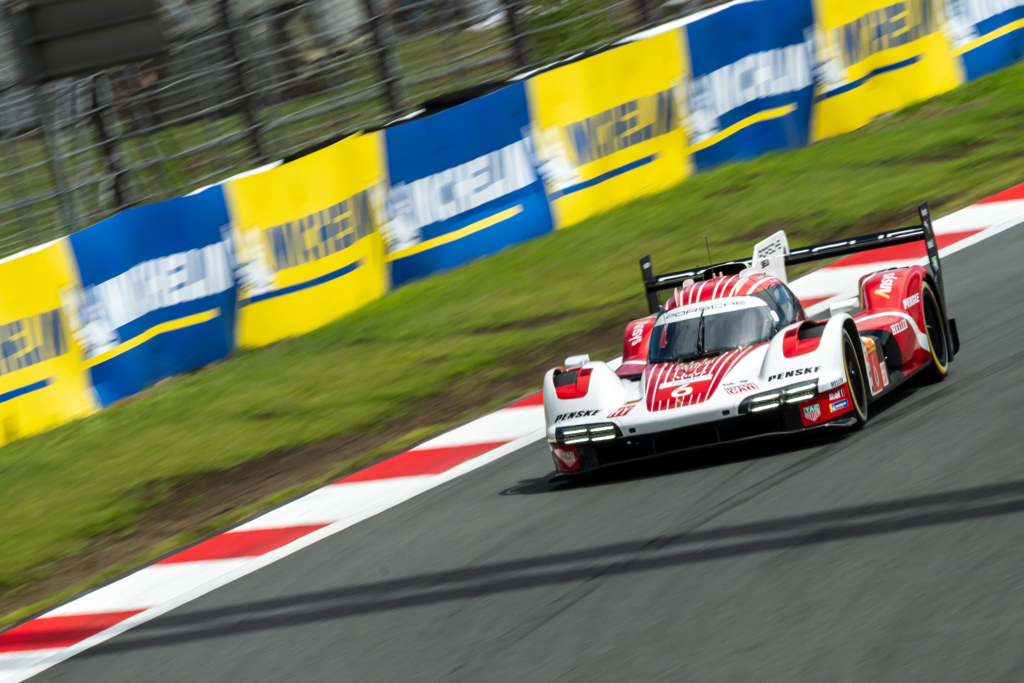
(592, 456)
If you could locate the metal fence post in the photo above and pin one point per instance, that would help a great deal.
(515, 27)
(248, 107)
(383, 45)
(107, 144)
(63, 192)
(645, 11)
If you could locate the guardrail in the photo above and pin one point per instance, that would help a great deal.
(155, 290)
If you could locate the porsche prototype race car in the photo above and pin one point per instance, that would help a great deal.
(731, 355)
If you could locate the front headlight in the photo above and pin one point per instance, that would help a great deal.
(802, 392)
(765, 401)
(794, 393)
(582, 434)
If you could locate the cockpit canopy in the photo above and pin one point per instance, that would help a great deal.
(711, 328)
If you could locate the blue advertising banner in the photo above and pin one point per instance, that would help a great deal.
(157, 292)
(987, 34)
(752, 80)
(463, 184)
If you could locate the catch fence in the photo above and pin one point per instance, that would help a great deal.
(244, 82)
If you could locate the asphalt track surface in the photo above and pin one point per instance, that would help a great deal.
(895, 553)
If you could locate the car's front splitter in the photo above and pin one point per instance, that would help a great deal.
(744, 428)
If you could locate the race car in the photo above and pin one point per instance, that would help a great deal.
(732, 355)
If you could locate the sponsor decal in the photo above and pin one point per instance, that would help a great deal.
(836, 395)
(838, 405)
(678, 382)
(835, 383)
(622, 410)
(740, 387)
(32, 340)
(689, 372)
(882, 28)
(615, 129)
(885, 289)
(812, 412)
(320, 234)
(911, 301)
(438, 197)
(901, 326)
(884, 372)
(794, 373)
(756, 76)
(567, 454)
(874, 373)
(638, 333)
(100, 309)
(695, 309)
(575, 415)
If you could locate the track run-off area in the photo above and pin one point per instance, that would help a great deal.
(892, 553)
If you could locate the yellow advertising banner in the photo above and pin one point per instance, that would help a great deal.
(876, 56)
(608, 129)
(307, 239)
(43, 381)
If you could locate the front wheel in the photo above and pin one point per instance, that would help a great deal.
(936, 371)
(856, 380)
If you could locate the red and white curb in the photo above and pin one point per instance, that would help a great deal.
(154, 590)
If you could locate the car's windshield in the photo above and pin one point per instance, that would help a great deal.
(707, 333)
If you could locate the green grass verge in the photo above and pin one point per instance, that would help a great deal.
(489, 321)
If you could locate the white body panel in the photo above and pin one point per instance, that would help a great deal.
(765, 367)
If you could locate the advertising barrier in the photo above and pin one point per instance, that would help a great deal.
(462, 185)
(751, 81)
(607, 129)
(42, 379)
(308, 243)
(284, 249)
(876, 56)
(986, 34)
(156, 295)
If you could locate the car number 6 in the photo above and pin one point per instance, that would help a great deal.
(682, 392)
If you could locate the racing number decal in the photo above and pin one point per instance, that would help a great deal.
(677, 394)
(876, 371)
(682, 392)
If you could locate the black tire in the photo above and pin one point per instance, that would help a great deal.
(856, 380)
(932, 314)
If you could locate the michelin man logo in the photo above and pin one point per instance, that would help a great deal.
(253, 270)
(553, 160)
(400, 231)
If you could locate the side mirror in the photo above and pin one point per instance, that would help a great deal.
(576, 361)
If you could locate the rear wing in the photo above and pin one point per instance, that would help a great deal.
(774, 254)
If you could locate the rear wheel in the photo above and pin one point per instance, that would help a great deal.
(936, 372)
(856, 380)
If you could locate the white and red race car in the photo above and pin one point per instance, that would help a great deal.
(731, 355)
